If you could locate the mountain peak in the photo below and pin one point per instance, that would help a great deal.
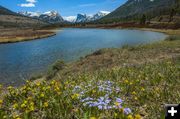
(51, 13)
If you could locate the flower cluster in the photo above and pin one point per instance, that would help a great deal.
(106, 98)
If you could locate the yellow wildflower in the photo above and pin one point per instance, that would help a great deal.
(46, 104)
(52, 82)
(75, 96)
(142, 89)
(27, 81)
(23, 105)
(130, 83)
(31, 108)
(15, 106)
(126, 81)
(130, 117)
(57, 89)
(133, 93)
(43, 88)
(66, 82)
(4, 117)
(42, 95)
(116, 103)
(48, 87)
(25, 102)
(115, 114)
(10, 88)
(38, 84)
(93, 91)
(137, 116)
(93, 118)
(1, 101)
(18, 118)
(59, 93)
(135, 98)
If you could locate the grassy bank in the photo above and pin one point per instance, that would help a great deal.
(122, 83)
(18, 35)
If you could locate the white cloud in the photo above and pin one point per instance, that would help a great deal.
(87, 5)
(30, 3)
(27, 5)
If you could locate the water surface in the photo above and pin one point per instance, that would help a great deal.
(19, 61)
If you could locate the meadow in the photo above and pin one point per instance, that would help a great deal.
(134, 84)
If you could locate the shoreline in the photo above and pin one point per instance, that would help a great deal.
(19, 35)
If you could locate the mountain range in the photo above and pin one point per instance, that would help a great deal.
(55, 17)
(50, 16)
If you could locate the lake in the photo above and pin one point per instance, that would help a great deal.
(19, 61)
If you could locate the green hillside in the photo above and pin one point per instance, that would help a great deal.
(133, 10)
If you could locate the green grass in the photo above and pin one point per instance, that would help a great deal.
(144, 89)
(143, 77)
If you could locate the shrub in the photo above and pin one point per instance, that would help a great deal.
(99, 52)
(172, 38)
(57, 66)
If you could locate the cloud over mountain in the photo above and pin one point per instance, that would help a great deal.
(29, 3)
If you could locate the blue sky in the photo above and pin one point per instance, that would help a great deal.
(64, 7)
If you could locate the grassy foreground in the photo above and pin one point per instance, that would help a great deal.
(127, 83)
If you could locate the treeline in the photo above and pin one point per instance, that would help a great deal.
(146, 16)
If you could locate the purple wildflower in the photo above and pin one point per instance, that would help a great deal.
(119, 100)
(127, 111)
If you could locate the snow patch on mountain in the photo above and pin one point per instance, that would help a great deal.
(87, 18)
(49, 16)
(70, 18)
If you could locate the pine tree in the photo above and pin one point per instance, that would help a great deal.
(143, 19)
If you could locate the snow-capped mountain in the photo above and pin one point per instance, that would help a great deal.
(99, 15)
(70, 18)
(30, 14)
(50, 16)
(81, 18)
(87, 18)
